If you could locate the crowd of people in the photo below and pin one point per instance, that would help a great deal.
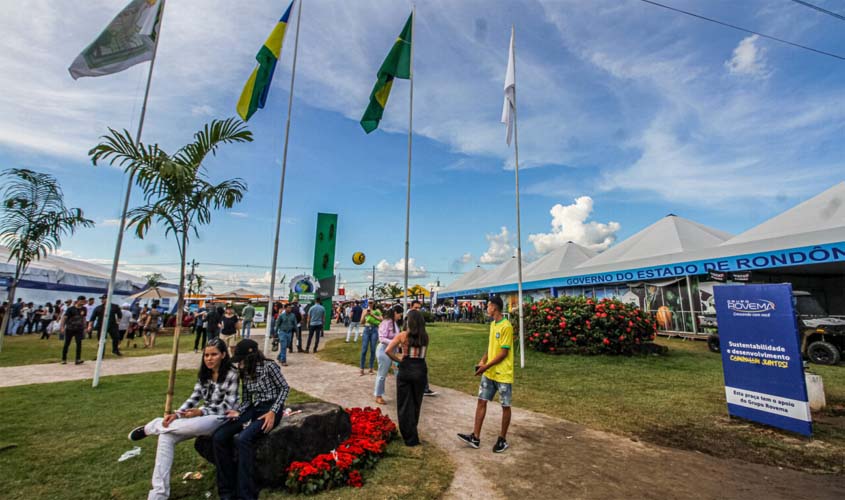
(75, 320)
(236, 421)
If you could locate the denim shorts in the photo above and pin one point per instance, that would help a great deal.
(488, 389)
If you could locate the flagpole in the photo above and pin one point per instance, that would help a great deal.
(410, 140)
(270, 302)
(122, 225)
(518, 219)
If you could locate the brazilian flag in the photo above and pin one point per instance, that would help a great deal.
(397, 64)
(257, 87)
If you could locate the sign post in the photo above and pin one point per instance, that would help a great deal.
(761, 356)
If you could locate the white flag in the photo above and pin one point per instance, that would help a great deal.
(509, 106)
(129, 39)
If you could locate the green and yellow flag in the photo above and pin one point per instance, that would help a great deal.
(257, 87)
(397, 64)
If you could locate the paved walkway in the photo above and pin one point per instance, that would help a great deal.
(549, 457)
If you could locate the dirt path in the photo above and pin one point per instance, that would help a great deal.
(548, 458)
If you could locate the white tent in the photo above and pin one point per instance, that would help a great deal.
(499, 275)
(822, 213)
(465, 279)
(53, 278)
(562, 259)
(669, 235)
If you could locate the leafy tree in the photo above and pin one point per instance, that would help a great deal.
(34, 220)
(154, 280)
(176, 193)
(200, 286)
(388, 290)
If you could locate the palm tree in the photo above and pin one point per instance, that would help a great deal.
(200, 285)
(154, 280)
(176, 193)
(34, 220)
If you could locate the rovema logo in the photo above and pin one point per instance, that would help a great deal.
(743, 305)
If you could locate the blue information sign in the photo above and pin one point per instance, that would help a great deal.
(761, 356)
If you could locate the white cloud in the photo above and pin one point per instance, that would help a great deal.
(240, 215)
(466, 258)
(202, 110)
(500, 247)
(62, 253)
(748, 59)
(385, 271)
(569, 223)
(109, 223)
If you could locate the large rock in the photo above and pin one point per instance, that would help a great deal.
(320, 428)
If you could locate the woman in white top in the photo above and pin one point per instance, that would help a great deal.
(217, 387)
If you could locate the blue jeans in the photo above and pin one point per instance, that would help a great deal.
(384, 363)
(237, 479)
(369, 340)
(246, 328)
(285, 339)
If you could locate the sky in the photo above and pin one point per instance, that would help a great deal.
(627, 112)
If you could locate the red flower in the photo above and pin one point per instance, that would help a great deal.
(574, 339)
(355, 479)
(545, 341)
(621, 338)
(549, 317)
(605, 341)
(562, 324)
(551, 349)
(613, 306)
(630, 323)
(533, 308)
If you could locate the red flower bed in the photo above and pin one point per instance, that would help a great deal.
(578, 325)
(371, 431)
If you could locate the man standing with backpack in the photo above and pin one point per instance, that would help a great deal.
(73, 326)
(354, 321)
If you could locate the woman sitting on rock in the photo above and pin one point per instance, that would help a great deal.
(217, 387)
(264, 393)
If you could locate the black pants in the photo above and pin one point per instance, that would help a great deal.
(410, 385)
(200, 332)
(213, 333)
(315, 331)
(69, 336)
(237, 480)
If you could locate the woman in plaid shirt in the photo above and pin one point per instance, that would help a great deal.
(264, 393)
(217, 387)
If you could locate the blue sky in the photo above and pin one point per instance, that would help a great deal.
(627, 112)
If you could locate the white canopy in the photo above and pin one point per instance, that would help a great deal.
(669, 235)
(464, 279)
(71, 272)
(499, 275)
(562, 259)
(824, 212)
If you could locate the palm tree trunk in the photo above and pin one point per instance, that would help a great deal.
(171, 380)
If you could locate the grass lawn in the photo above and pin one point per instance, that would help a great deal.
(62, 441)
(676, 400)
(30, 350)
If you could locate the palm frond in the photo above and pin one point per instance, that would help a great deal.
(207, 140)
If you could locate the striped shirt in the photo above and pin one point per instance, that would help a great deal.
(218, 397)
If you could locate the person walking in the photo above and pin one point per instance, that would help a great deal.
(387, 330)
(125, 323)
(298, 331)
(200, 332)
(229, 326)
(212, 322)
(97, 321)
(217, 389)
(15, 320)
(151, 325)
(90, 308)
(247, 315)
(263, 402)
(73, 327)
(285, 325)
(371, 319)
(354, 321)
(315, 318)
(496, 370)
(410, 382)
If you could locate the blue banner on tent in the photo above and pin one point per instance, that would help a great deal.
(761, 356)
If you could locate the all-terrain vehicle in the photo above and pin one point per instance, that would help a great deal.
(822, 337)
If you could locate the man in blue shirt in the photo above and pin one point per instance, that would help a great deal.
(315, 319)
(286, 324)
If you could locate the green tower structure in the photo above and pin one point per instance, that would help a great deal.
(324, 250)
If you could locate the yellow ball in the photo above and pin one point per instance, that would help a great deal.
(358, 258)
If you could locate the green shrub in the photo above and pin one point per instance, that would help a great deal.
(579, 325)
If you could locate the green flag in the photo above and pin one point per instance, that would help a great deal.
(397, 64)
